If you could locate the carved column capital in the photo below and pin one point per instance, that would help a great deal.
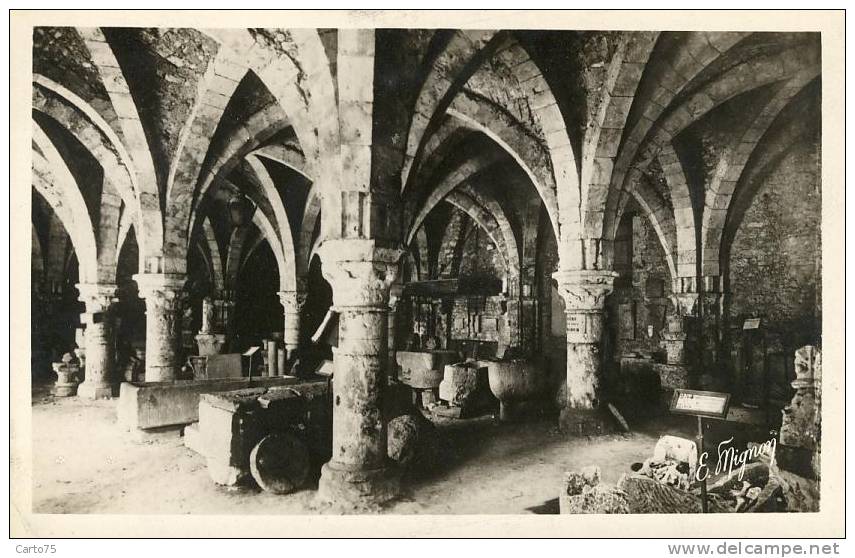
(359, 271)
(292, 301)
(98, 297)
(163, 289)
(685, 304)
(584, 290)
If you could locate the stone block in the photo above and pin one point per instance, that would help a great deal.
(224, 366)
(597, 499)
(232, 423)
(672, 376)
(423, 369)
(428, 398)
(192, 438)
(459, 384)
(576, 481)
(679, 449)
(582, 492)
(402, 439)
(144, 405)
(228, 434)
(645, 495)
(447, 412)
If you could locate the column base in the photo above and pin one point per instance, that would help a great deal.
(353, 490)
(64, 390)
(584, 422)
(88, 390)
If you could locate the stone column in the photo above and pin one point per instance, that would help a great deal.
(225, 306)
(98, 340)
(162, 294)
(292, 307)
(584, 293)
(801, 424)
(674, 340)
(359, 473)
(272, 357)
(676, 334)
(395, 293)
(710, 311)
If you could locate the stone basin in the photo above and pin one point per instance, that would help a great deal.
(515, 381)
(424, 369)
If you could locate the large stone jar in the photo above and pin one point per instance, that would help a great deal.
(514, 382)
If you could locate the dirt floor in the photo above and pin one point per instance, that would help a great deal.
(86, 464)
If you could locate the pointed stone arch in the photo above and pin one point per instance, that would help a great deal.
(55, 183)
(489, 223)
(525, 150)
(731, 166)
(99, 139)
(284, 225)
(460, 57)
(260, 127)
(457, 175)
(151, 233)
(239, 237)
(216, 260)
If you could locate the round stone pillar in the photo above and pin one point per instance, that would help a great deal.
(359, 473)
(162, 294)
(395, 293)
(679, 347)
(98, 340)
(674, 339)
(292, 307)
(710, 310)
(584, 293)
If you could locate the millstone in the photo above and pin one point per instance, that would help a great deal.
(279, 463)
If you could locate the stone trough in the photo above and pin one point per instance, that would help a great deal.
(152, 406)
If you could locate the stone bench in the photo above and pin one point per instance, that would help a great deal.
(158, 405)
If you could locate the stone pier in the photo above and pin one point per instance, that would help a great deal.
(98, 340)
(584, 293)
(359, 474)
(161, 292)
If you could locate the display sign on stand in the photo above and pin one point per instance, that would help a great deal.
(709, 404)
(249, 353)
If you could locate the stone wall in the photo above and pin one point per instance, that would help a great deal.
(639, 303)
(775, 259)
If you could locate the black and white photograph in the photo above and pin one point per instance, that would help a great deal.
(430, 267)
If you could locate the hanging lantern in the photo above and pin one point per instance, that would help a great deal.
(241, 209)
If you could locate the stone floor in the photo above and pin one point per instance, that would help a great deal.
(84, 463)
